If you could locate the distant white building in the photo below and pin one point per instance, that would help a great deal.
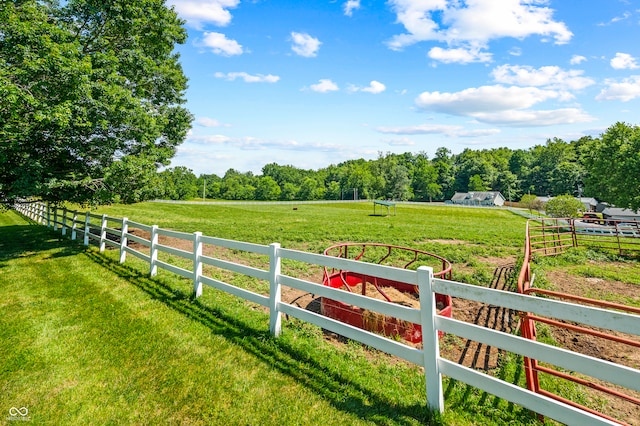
(480, 198)
(620, 214)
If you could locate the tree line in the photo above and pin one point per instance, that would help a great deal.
(606, 168)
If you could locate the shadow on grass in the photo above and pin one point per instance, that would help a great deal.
(469, 398)
(307, 368)
(25, 240)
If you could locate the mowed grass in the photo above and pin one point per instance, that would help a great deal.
(322, 224)
(86, 340)
(464, 236)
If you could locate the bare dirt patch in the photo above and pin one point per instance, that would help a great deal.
(499, 262)
(475, 354)
(594, 288)
(610, 350)
(599, 289)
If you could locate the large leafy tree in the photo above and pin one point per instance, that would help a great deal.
(613, 162)
(474, 171)
(90, 89)
(564, 206)
(425, 175)
(267, 189)
(554, 168)
(179, 183)
(443, 162)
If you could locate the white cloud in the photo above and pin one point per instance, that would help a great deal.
(577, 59)
(209, 139)
(547, 76)
(422, 129)
(625, 90)
(472, 24)
(625, 16)
(304, 44)
(208, 122)
(374, 87)
(324, 85)
(248, 78)
(443, 129)
(624, 61)
(535, 118)
(400, 142)
(515, 51)
(484, 20)
(350, 6)
(461, 55)
(484, 98)
(220, 44)
(200, 12)
(253, 143)
(502, 105)
(476, 133)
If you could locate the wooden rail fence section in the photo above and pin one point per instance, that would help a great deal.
(102, 230)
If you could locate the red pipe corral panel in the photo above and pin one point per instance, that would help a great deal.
(373, 321)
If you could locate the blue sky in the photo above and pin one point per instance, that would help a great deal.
(313, 83)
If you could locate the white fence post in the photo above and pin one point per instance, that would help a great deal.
(123, 239)
(275, 290)
(103, 232)
(430, 341)
(55, 218)
(64, 221)
(48, 215)
(74, 225)
(197, 264)
(153, 253)
(87, 220)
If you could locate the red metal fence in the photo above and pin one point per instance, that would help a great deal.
(548, 237)
(551, 236)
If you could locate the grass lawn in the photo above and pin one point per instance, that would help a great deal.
(86, 340)
(465, 236)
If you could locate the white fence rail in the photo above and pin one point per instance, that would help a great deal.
(95, 228)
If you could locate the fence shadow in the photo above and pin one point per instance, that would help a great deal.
(309, 369)
(479, 355)
(27, 240)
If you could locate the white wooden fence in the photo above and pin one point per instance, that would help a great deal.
(96, 228)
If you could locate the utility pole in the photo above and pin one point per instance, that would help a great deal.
(204, 189)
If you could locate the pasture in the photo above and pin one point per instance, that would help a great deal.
(474, 239)
(89, 340)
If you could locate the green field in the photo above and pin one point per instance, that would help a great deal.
(89, 341)
(464, 236)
